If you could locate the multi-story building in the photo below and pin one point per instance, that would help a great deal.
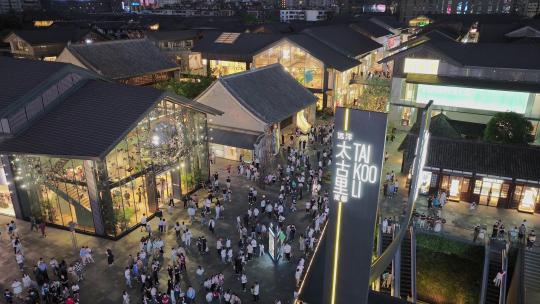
(288, 15)
(7, 6)
(409, 9)
(78, 150)
(469, 83)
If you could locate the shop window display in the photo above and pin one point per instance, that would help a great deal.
(6, 204)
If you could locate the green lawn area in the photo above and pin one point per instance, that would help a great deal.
(448, 271)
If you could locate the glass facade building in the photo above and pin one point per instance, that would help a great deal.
(164, 156)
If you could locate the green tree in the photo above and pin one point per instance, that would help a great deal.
(509, 128)
(374, 97)
(190, 88)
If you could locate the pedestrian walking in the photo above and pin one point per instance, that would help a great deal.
(110, 257)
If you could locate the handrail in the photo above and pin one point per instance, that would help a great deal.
(485, 273)
(502, 294)
(516, 291)
(413, 264)
(380, 264)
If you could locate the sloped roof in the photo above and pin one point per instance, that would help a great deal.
(270, 92)
(20, 76)
(172, 35)
(370, 28)
(515, 161)
(343, 39)
(90, 121)
(87, 122)
(122, 58)
(490, 55)
(242, 49)
(52, 35)
(324, 53)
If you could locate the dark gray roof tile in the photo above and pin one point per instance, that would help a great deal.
(270, 92)
(122, 58)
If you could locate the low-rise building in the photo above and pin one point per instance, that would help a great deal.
(46, 44)
(78, 149)
(177, 45)
(133, 61)
(262, 107)
(225, 53)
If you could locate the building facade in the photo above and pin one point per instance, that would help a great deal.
(97, 154)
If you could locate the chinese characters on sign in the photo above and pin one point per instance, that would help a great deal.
(354, 167)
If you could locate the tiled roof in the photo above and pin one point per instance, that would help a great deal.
(20, 76)
(324, 53)
(343, 39)
(270, 92)
(122, 58)
(512, 161)
(52, 35)
(88, 122)
(242, 49)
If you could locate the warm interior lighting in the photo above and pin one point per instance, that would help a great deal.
(43, 23)
(421, 66)
(154, 27)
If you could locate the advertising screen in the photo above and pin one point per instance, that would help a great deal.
(471, 98)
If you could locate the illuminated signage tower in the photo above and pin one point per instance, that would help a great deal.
(358, 149)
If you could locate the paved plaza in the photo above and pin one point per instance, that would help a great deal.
(105, 284)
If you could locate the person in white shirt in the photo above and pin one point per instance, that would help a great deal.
(127, 275)
(255, 292)
(498, 278)
(243, 280)
(287, 251)
(143, 222)
(125, 298)
(200, 273)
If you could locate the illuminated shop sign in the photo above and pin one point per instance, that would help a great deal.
(354, 160)
(471, 98)
(358, 146)
(421, 66)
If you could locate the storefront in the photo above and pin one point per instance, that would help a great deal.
(526, 197)
(6, 203)
(231, 153)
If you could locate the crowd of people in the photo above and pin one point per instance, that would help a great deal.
(50, 282)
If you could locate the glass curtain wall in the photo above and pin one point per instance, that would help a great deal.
(166, 150)
(54, 190)
(302, 66)
(345, 93)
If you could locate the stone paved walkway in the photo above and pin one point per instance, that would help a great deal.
(105, 285)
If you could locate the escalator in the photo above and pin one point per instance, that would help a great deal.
(386, 240)
(408, 256)
(497, 261)
(74, 197)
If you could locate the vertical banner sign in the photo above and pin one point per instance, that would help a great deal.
(358, 153)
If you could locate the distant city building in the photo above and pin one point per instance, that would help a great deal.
(287, 15)
(7, 6)
(409, 9)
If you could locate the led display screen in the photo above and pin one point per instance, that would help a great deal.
(471, 98)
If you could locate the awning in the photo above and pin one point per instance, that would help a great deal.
(232, 138)
(474, 83)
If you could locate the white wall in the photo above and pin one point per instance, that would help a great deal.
(235, 116)
(67, 57)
